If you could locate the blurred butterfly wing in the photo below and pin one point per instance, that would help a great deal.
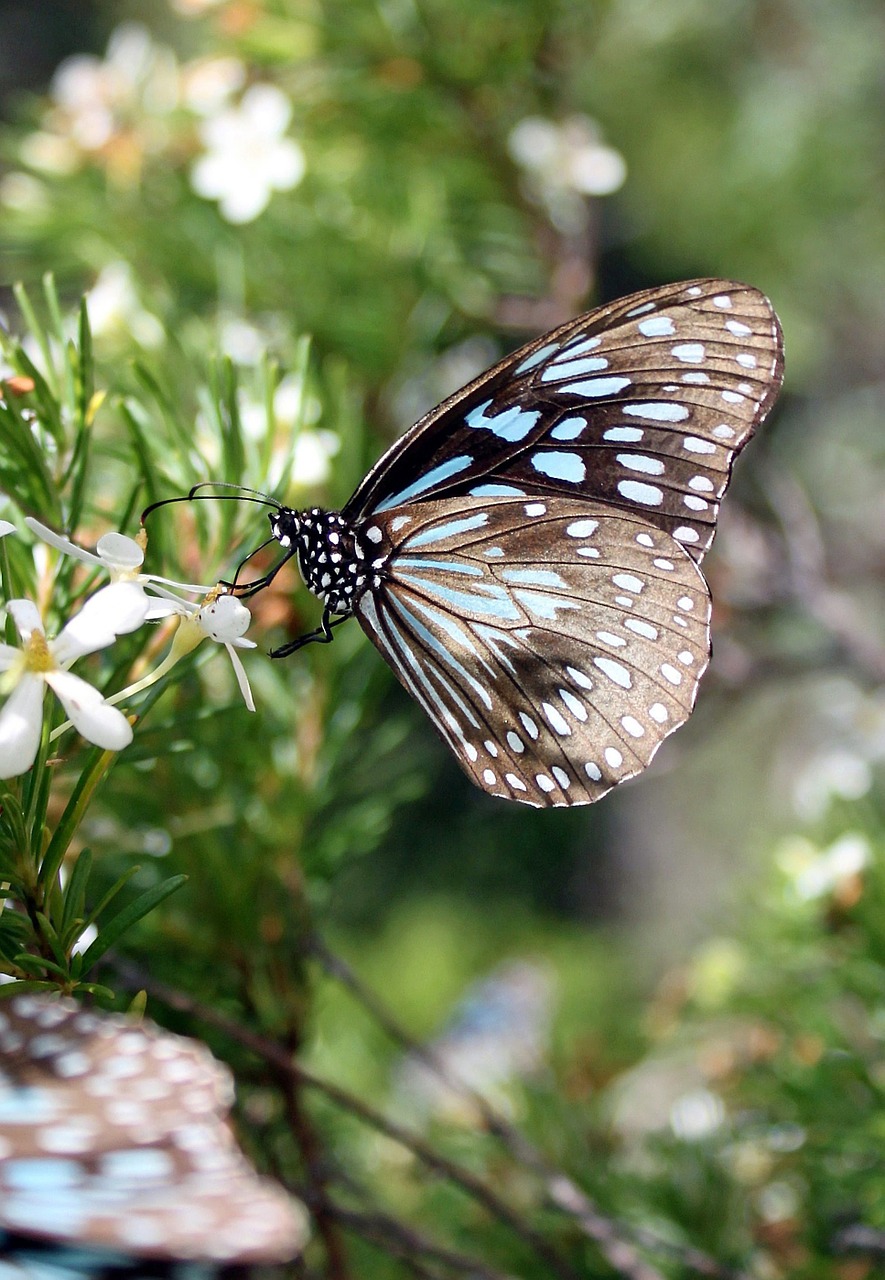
(554, 644)
(642, 404)
(113, 1134)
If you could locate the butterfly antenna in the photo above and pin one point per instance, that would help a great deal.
(242, 494)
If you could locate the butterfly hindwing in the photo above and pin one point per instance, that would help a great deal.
(554, 643)
(642, 404)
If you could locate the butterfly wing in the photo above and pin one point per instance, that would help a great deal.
(642, 404)
(554, 643)
(114, 1134)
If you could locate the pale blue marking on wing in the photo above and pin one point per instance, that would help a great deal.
(562, 368)
(533, 577)
(594, 388)
(568, 429)
(497, 491)
(544, 606)
(578, 346)
(405, 658)
(541, 354)
(439, 648)
(138, 1165)
(27, 1105)
(494, 552)
(510, 425)
(448, 624)
(657, 411)
(447, 566)
(560, 466)
(42, 1174)
(495, 600)
(430, 478)
(493, 638)
(437, 532)
(656, 327)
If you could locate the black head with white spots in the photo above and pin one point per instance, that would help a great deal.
(337, 562)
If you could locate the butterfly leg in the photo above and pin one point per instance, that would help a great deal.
(322, 635)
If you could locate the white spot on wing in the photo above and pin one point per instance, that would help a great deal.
(615, 672)
(656, 327)
(689, 352)
(581, 528)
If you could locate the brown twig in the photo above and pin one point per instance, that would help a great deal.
(405, 1242)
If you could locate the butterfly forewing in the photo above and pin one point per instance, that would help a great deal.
(554, 643)
(642, 404)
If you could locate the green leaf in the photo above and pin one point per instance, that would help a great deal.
(38, 965)
(75, 894)
(129, 916)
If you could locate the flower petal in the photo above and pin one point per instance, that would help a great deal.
(8, 655)
(242, 678)
(113, 611)
(21, 720)
(119, 553)
(61, 544)
(6, 527)
(225, 619)
(89, 713)
(26, 617)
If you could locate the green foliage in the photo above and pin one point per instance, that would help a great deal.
(713, 1079)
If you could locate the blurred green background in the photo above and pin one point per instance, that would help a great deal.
(418, 186)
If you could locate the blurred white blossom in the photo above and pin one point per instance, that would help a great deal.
(814, 873)
(208, 84)
(22, 193)
(96, 101)
(42, 663)
(115, 309)
(564, 161)
(696, 1115)
(312, 458)
(247, 156)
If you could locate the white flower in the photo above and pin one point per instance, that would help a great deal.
(247, 157)
(570, 154)
(815, 873)
(222, 618)
(563, 163)
(208, 84)
(26, 672)
(96, 98)
(314, 451)
(115, 308)
(121, 558)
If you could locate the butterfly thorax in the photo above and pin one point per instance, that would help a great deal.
(336, 563)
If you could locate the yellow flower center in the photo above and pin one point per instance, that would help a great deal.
(38, 658)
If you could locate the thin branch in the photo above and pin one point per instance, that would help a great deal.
(836, 610)
(405, 1243)
(563, 1192)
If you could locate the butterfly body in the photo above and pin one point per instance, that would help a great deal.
(526, 557)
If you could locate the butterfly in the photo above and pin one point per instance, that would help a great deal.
(114, 1139)
(526, 557)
